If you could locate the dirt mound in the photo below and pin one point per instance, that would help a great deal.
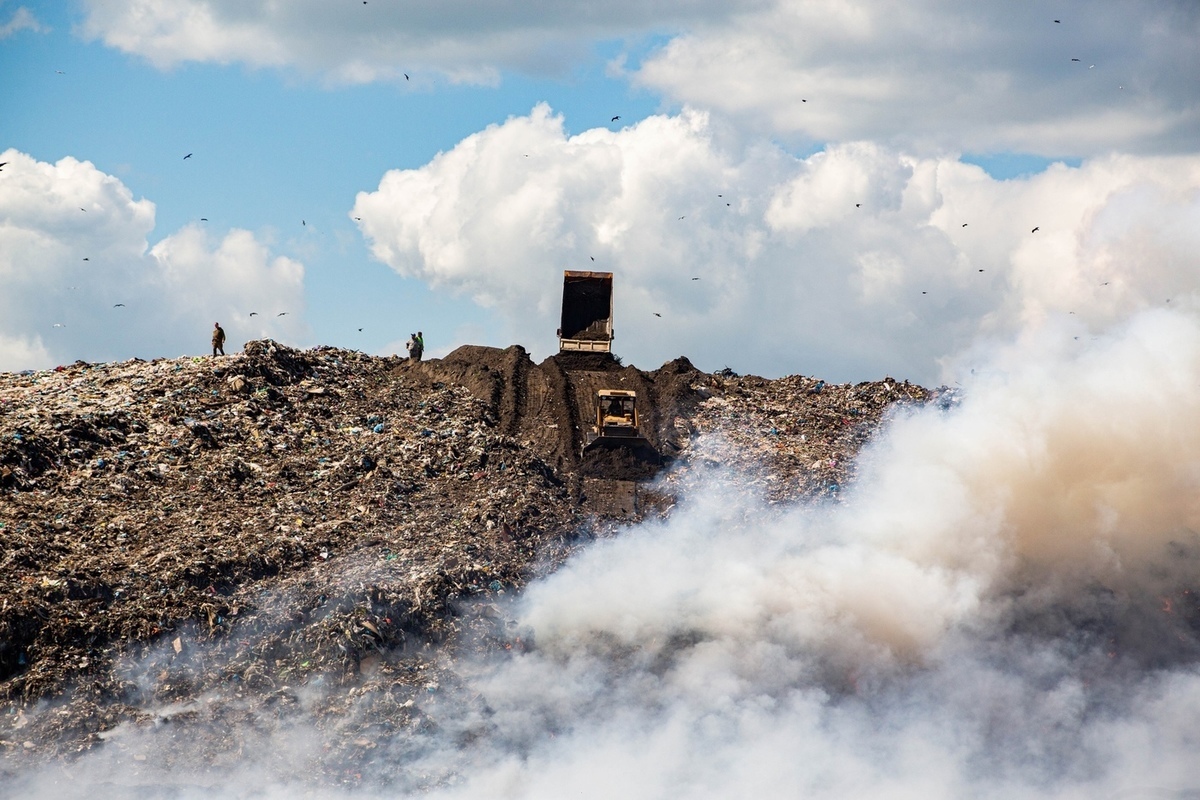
(231, 527)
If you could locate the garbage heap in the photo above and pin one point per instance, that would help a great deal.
(237, 528)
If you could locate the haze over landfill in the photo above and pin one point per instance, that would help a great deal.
(312, 567)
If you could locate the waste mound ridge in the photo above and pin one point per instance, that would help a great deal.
(237, 527)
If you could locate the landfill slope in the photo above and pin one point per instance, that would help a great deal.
(239, 528)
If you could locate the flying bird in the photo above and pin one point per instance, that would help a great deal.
(118, 305)
(802, 100)
(981, 270)
(204, 219)
(85, 258)
(84, 210)
(2, 163)
(406, 76)
(858, 205)
(695, 279)
(614, 119)
(593, 258)
(657, 314)
(189, 155)
(1059, 21)
(60, 72)
(281, 314)
(360, 330)
(965, 224)
(302, 222)
(254, 313)
(1074, 59)
(1036, 229)
(60, 325)
(683, 216)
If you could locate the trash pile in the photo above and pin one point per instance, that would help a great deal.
(791, 438)
(238, 528)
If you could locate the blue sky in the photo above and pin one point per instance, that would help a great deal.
(800, 113)
(272, 148)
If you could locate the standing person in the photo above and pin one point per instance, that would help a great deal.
(413, 346)
(218, 340)
(421, 344)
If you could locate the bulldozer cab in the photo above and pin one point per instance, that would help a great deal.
(616, 409)
(616, 426)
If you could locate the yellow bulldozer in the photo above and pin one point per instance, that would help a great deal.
(616, 423)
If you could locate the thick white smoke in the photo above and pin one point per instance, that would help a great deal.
(1001, 607)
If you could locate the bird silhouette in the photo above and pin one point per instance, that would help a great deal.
(2, 163)
(657, 314)
(85, 258)
(360, 330)
(406, 76)
(1074, 59)
(281, 314)
(59, 325)
(84, 210)
(189, 155)
(119, 305)
(254, 313)
(683, 216)
(858, 205)
(302, 222)
(1036, 229)
(981, 270)
(593, 258)
(1059, 21)
(614, 119)
(204, 219)
(964, 224)
(358, 219)
(60, 72)
(695, 279)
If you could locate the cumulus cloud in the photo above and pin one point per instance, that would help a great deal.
(932, 77)
(938, 76)
(462, 39)
(21, 20)
(854, 262)
(73, 245)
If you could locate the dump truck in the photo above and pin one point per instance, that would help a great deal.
(617, 424)
(587, 312)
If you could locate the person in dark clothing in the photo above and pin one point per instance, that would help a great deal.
(218, 339)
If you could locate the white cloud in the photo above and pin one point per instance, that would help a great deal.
(849, 264)
(933, 76)
(22, 20)
(937, 76)
(73, 245)
(357, 42)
